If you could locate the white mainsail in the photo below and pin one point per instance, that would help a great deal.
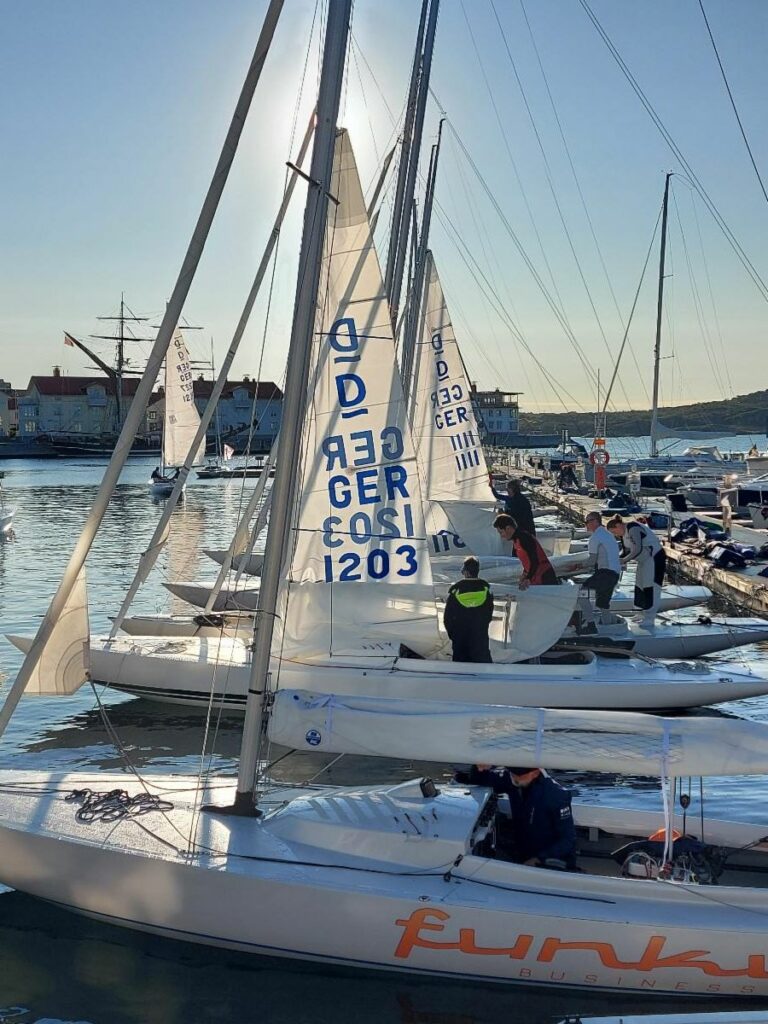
(181, 418)
(604, 741)
(360, 516)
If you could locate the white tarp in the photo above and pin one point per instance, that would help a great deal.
(181, 418)
(603, 741)
(64, 665)
(360, 510)
(444, 424)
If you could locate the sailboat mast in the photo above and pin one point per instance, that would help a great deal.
(659, 309)
(395, 287)
(120, 363)
(296, 384)
(398, 209)
(413, 316)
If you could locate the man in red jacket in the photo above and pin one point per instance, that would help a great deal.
(537, 568)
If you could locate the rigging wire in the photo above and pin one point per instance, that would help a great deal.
(631, 313)
(508, 148)
(733, 102)
(559, 315)
(553, 191)
(557, 307)
(640, 375)
(725, 361)
(742, 256)
(697, 305)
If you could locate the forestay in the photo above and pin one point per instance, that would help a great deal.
(181, 418)
(360, 515)
(603, 741)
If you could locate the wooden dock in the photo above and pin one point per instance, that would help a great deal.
(744, 589)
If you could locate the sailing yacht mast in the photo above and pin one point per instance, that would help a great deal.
(398, 211)
(659, 308)
(297, 379)
(413, 315)
(410, 156)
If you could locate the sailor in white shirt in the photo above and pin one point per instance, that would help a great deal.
(639, 542)
(605, 559)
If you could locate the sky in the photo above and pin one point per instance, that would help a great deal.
(112, 117)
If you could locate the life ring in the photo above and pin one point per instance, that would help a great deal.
(599, 457)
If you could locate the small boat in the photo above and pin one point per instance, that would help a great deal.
(6, 514)
(180, 418)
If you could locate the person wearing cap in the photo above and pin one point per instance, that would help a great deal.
(537, 568)
(638, 541)
(517, 505)
(468, 614)
(542, 830)
(605, 558)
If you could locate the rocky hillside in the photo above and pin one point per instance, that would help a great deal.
(746, 414)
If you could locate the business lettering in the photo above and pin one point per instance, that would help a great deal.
(452, 411)
(420, 929)
(368, 481)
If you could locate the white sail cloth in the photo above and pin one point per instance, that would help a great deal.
(605, 741)
(181, 418)
(349, 620)
(360, 511)
(64, 664)
(444, 423)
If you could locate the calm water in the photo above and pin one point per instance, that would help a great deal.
(56, 966)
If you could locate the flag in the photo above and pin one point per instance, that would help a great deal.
(68, 340)
(228, 452)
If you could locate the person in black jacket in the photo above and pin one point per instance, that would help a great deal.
(542, 830)
(518, 506)
(468, 614)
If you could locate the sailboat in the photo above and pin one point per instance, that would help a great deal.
(395, 877)
(180, 418)
(6, 514)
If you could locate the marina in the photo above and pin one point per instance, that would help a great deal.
(335, 708)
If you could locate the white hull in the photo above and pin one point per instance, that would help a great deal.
(199, 671)
(187, 625)
(663, 640)
(679, 640)
(759, 516)
(416, 899)
(249, 564)
(6, 521)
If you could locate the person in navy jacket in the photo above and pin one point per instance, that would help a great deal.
(542, 828)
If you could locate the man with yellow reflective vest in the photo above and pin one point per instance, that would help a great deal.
(468, 613)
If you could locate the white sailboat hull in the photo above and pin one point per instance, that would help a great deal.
(245, 597)
(188, 625)
(199, 671)
(250, 564)
(413, 899)
(674, 639)
(6, 521)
